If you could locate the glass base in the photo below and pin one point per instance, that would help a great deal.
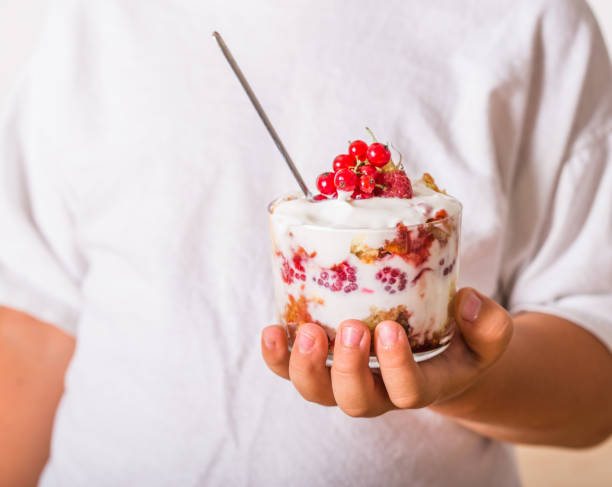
(418, 357)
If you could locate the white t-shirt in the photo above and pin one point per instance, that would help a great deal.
(134, 178)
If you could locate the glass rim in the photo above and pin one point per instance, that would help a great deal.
(370, 230)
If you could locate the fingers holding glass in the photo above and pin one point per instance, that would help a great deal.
(307, 368)
(357, 391)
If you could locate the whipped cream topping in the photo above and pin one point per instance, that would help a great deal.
(373, 213)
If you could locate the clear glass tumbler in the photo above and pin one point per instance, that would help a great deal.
(407, 273)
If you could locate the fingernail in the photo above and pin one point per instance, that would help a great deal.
(387, 334)
(304, 342)
(351, 336)
(269, 342)
(471, 307)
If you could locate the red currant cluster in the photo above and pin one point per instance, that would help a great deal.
(355, 172)
(360, 173)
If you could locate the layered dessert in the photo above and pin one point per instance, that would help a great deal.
(372, 246)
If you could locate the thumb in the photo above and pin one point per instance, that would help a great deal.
(485, 325)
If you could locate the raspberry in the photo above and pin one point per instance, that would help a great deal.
(340, 277)
(297, 263)
(294, 269)
(393, 279)
(395, 185)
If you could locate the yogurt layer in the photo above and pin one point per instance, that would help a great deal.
(373, 213)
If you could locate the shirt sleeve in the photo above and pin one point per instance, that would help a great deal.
(570, 275)
(40, 267)
(558, 258)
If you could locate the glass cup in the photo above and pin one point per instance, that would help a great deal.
(408, 274)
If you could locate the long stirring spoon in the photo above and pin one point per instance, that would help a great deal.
(260, 111)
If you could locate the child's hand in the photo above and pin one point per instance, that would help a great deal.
(484, 331)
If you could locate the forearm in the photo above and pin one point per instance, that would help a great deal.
(553, 386)
(33, 359)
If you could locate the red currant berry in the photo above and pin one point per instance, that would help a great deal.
(325, 183)
(319, 197)
(367, 183)
(359, 149)
(360, 195)
(345, 180)
(378, 154)
(344, 161)
(369, 170)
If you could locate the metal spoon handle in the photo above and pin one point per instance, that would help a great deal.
(260, 111)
